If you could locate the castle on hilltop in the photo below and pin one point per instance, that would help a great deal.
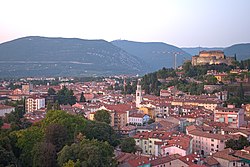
(211, 57)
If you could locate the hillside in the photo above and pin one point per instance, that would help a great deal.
(242, 51)
(155, 54)
(41, 56)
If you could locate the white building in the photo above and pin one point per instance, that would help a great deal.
(34, 103)
(5, 109)
(138, 94)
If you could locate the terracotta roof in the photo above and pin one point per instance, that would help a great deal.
(124, 157)
(137, 115)
(162, 160)
(209, 135)
(226, 154)
(138, 161)
(153, 134)
(118, 107)
(189, 159)
(211, 161)
(242, 154)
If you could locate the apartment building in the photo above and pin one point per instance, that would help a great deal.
(230, 115)
(34, 103)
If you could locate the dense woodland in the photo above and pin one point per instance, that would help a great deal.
(60, 139)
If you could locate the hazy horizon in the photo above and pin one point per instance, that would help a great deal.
(193, 23)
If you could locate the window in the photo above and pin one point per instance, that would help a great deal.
(212, 149)
(217, 146)
(212, 145)
(234, 164)
(221, 119)
(212, 139)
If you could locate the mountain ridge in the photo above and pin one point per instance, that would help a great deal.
(93, 55)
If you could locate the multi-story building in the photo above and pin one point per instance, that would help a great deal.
(34, 103)
(163, 143)
(207, 104)
(205, 143)
(119, 114)
(230, 115)
(27, 88)
(138, 118)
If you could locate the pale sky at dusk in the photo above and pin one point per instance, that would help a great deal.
(179, 22)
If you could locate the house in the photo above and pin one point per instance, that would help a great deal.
(153, 143)
(138, 118)
(230, 115)
(4, 109)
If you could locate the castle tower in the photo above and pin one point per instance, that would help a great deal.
(138, 94)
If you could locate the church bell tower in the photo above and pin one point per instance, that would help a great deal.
(138, 94)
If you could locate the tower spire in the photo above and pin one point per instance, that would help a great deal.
(138, 94)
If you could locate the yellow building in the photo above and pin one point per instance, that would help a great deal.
(148, 111)
(92, 116)
(221, 77)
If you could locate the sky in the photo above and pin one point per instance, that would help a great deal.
(183, 23)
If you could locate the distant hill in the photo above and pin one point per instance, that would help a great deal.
(41, 56)
(242, 51)
(195, 51)
(155, 54)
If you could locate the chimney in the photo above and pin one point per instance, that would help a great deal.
(187, 159)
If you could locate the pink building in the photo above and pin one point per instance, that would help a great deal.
(206, 143)
(230, 115)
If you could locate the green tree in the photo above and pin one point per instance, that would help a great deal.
(211, 80)
(26, 139)
(102, 116)
(128, 145)
(101, 131)
(71, 163)
(66, 96)
(1, 122)
(49, 106)
(51, 91)
(57, 135)
(44, 155)
(56, 106)
(73, 123)
(237, 144)
(90, 153)
(241, 92)
(82, 98)
(7, 158)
